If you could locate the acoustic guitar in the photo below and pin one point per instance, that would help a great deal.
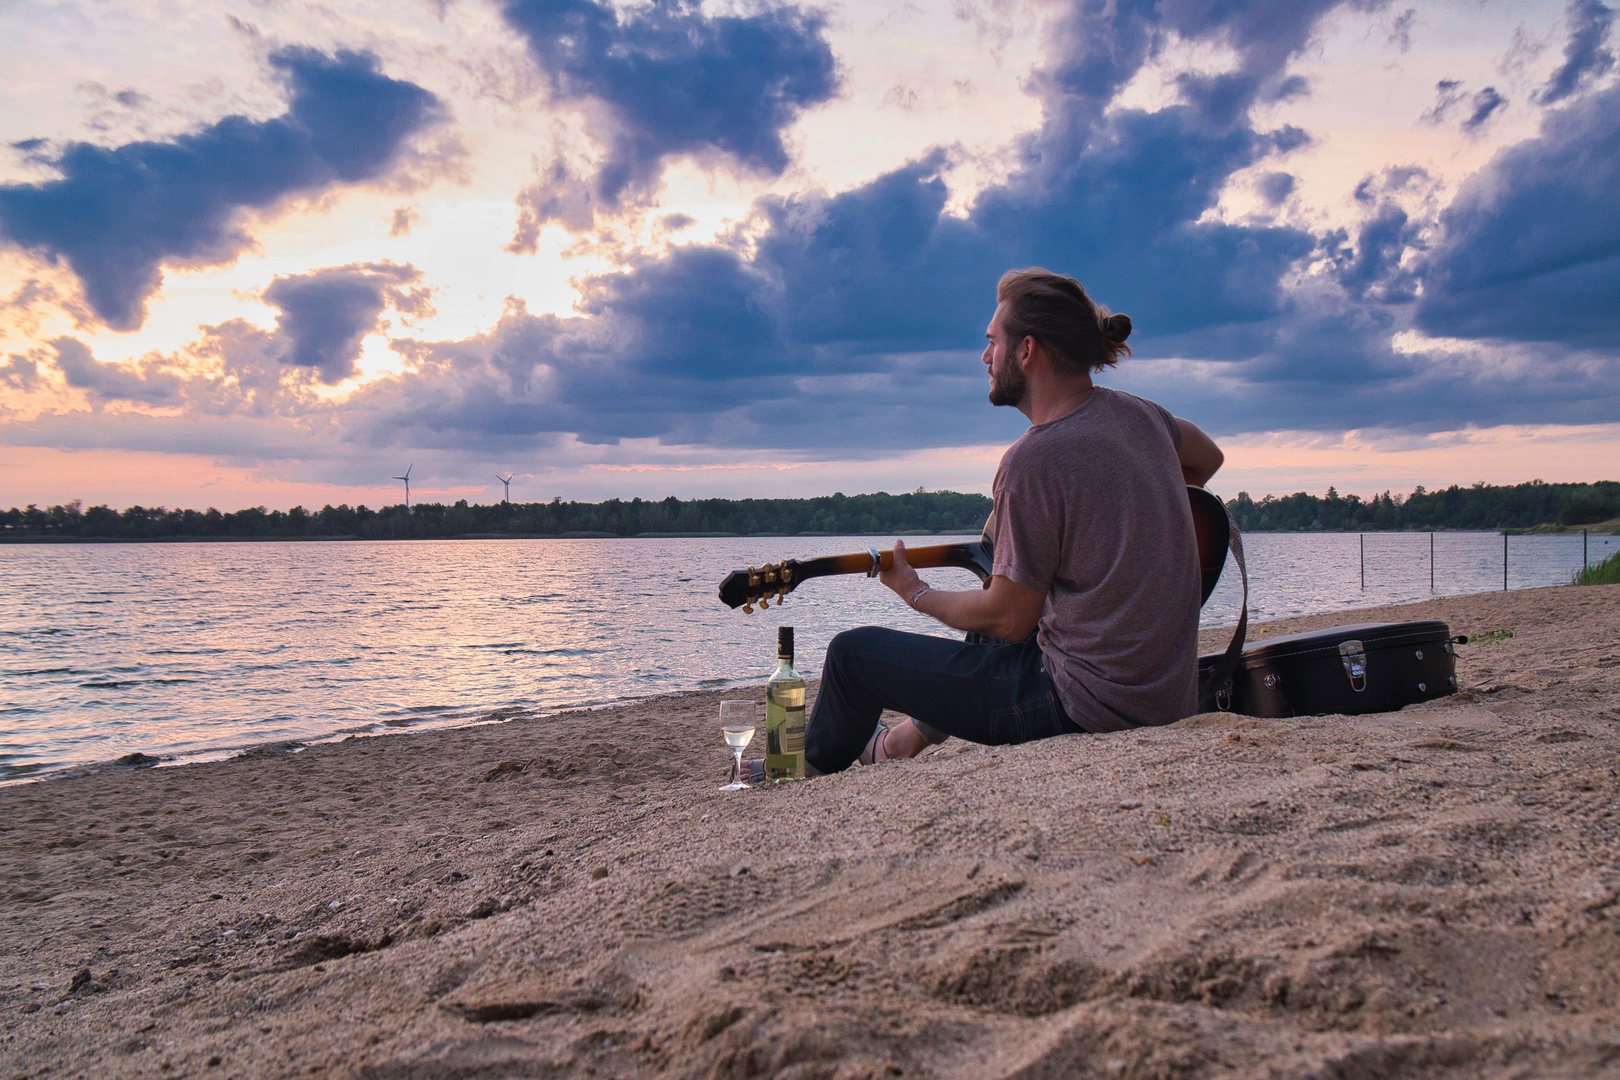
(773, 581)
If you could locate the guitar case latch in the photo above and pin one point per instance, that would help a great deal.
(1354, 658)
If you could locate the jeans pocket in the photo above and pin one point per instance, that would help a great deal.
(1007, 726)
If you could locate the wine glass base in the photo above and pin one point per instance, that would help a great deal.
(737, 785)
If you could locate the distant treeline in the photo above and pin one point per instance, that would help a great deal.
(882, 513)
(1482, 506)
(1521, 506)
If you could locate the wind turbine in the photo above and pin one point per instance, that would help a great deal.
(407, 479)
(507, 480)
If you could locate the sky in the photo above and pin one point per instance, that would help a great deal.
(267, 252)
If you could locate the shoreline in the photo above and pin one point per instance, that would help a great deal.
(1212, 638)
(1433, 890)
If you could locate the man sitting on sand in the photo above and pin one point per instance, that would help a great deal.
(1090, 622)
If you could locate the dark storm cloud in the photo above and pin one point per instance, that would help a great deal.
(856, 319)
(118, 214)
(673, 80)
(1585, 56)
(1530, 248)
(1375, 267)
(326, 314)
(851, 324)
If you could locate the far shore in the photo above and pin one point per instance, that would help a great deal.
(1426, 892)
(1610, 528)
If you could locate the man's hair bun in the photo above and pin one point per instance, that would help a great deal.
(1116, 328)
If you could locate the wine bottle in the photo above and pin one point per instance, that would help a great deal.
(784, 714)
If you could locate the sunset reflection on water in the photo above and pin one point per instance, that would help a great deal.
(182, 649)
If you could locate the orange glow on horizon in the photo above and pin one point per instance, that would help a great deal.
(1277, 463)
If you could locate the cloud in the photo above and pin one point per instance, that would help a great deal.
(19, 372)
(1585, 57)
(1377, 266)
(112, 382)
(850, 323)
(326, 314)
(1400, 30)
(1485, 103)
(666, 79)
(1275, 187)
(1530, 248)
(118, 214)
(1447, 96)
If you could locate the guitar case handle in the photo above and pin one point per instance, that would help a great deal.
(1217, 684)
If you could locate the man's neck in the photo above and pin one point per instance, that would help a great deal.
(1047, 400)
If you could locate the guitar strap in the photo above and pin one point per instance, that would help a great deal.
(1215, 683)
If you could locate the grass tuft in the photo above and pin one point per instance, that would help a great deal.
(1606, 572)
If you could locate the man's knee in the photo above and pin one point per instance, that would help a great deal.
(849, 644)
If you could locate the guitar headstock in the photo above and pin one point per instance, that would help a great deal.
(773, 581)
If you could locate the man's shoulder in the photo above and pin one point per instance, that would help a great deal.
(1122, 399)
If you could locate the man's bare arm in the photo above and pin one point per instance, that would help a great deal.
(1005, 610)
(1200, 457)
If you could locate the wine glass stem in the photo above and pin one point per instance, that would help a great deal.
(736, 765)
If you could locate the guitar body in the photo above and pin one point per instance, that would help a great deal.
(744, 588)
(1213, 529)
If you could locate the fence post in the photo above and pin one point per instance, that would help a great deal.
(1584, 563)
(1363, 537)
(1431, 562)
(1504, 561)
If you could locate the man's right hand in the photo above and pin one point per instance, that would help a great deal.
(900, 576)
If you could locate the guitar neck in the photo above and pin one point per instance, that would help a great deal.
(775, 580)
(970, 556)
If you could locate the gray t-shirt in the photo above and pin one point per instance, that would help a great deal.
(1091, 508)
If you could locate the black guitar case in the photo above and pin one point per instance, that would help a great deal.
(1355, 669)
(1350, 670)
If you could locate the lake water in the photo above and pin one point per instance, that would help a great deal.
(189, 651)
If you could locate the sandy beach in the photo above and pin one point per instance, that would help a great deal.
(1434, 892)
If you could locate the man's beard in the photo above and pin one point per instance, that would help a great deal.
(1008, 385)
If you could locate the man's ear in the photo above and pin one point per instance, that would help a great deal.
(1028, 350)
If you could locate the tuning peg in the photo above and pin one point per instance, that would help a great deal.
(770, 575)
(787, 574)
(781, 595)
(753, 576)
(764, 602)
(748, 609)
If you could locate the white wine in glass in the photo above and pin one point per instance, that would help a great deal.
(738, 720)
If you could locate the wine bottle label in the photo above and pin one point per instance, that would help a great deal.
(793, 732)
(784, 739)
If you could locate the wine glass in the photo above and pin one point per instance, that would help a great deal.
(737, 722)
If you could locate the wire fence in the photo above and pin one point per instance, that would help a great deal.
(1305, 573)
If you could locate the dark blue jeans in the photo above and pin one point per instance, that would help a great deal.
(981, 690)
